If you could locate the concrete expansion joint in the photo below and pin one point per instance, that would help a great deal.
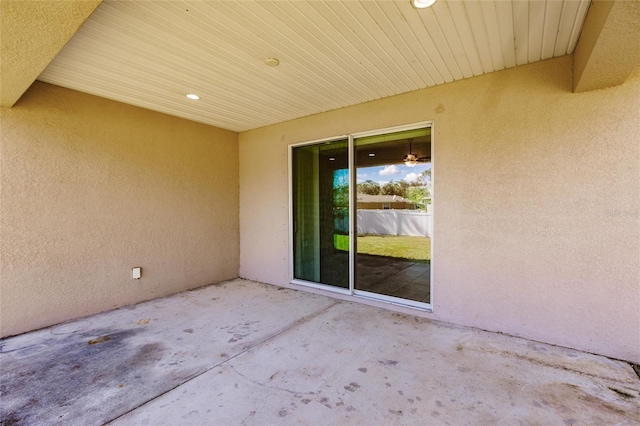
(248, 348)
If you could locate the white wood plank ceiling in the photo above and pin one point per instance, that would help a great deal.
(332, 53)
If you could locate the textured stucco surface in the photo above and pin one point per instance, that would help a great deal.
(32, 34)
(537, 202)
(91, 188)
(609, 47)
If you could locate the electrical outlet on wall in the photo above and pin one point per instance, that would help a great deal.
(136, 273)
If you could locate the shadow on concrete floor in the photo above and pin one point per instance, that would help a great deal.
(248, 353)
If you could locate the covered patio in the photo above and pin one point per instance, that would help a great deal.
(243, 352)
(147, 228)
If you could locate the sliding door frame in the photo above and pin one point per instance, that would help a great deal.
(351, 291)
(292, 279)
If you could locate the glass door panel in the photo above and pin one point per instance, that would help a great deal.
(320, 185)
(393, 218)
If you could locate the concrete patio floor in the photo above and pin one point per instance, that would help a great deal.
(248, 353)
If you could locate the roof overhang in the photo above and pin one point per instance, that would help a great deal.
(31, 35)
(33, 32)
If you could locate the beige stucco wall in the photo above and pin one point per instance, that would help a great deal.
(91, 188)
(536, 209)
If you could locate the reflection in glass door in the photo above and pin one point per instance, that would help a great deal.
(361, 217)
(320, 213)
(393, 199)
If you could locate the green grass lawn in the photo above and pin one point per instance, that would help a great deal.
(414, 248)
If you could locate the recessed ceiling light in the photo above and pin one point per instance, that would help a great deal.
(372, 154)
(332, 158)
(272, 62)
(422, 4)
(193, 96)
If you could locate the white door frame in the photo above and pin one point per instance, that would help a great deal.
(351, 291)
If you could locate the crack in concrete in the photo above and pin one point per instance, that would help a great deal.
(264, 385)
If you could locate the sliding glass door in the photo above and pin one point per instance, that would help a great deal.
(393, 245)
(320, 195)
(361, 214)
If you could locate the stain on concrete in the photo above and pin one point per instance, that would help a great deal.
(240, 331)
(63, 371)
(237, 337)
(352, 387)
(188, 330)
(99, 340)
(561, 394)
(325, 401)
(24, 351)
(362, 369)
(388, 362)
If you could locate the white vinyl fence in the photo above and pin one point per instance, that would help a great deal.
(414, 223)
